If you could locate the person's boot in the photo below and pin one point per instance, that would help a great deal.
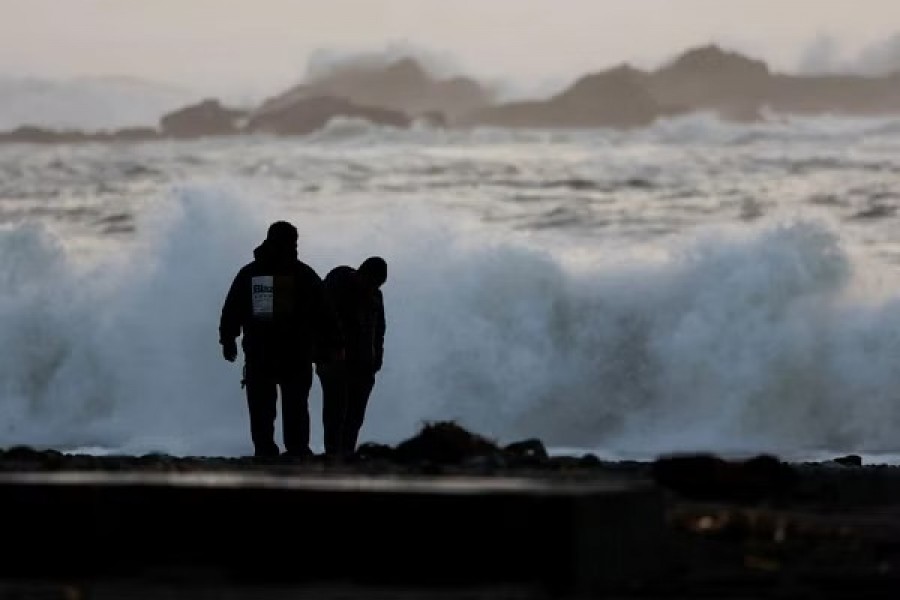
(267, 451)
(301, 453)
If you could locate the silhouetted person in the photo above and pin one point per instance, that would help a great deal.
(346, 385)
(279, 305)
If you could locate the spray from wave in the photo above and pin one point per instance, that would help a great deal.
(826, 56)
(731, 342)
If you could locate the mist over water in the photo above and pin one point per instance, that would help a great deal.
(88, 103)
(685, 287)
(826, 55)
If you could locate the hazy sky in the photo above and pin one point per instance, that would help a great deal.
(263, 45)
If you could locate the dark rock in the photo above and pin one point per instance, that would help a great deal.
(444, 442)
(486, 463)
(134, 134)
(309, 114)
(736, 87)
(531, 450)
(839, 94)
(373, 451)
(39, 135)
(589, 460)
(207, 118)
(30, 134)
(564, 463)
(19, 457)
(82, 462)
(740, 88)
(21, 453)
(614, 98)
(403, 85)
(851, 460)
(710, 78)
(708, 477)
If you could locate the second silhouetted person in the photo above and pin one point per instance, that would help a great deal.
(346, 385)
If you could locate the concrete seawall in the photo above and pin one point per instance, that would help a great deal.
(256, 529)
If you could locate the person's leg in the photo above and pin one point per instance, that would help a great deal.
(359, 387)
(262, 398)
(295, 384)
(334, 404)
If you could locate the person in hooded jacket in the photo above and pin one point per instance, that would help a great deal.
(279, 305)
(347, 384)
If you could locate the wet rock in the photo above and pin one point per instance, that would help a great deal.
(711, 78)
(613, 98)
(207, 118)
(373, 451)
(530, 451)
(444, 442)
(307, 115)
(851, 460)
(589, 460)
(30, 134)
(39, 135)
(708, 477)
(403, 85)
(19, 457)
(134, 134)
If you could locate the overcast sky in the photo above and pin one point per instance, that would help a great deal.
(263, 45)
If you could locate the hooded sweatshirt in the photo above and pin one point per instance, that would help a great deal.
(360, 311)
(279, 304)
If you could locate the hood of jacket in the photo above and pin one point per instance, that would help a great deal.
(271, 254)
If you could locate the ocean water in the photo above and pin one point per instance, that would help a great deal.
(690, 286)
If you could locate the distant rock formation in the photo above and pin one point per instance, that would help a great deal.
(30, 134)
(614, 98)
(305, 115)
(402, 92)
(740, 88)
(838, 94)
(402, 85)
(207, 118)
(710, 78)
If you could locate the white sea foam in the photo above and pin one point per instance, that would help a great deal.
(599, 290)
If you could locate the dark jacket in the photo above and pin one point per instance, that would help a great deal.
(361, 314)
(279, 304)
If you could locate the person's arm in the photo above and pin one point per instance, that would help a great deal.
(230, 321)
(378, 333)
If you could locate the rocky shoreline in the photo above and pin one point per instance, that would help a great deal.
(445, 448)
(734, 529)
